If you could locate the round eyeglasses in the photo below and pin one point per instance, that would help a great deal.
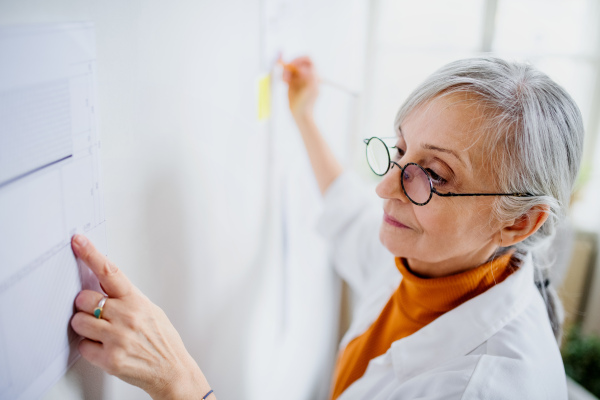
(414, 179)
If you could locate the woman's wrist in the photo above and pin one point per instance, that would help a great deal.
(304, 116)
(306, 124)
(188, 384)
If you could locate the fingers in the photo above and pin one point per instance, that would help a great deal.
(100, 356)
(299, 78)
(92, 351)
(87, 301)
(298, 67)
(90, 327)
(302, 61)
(113, 281)
(303, 67)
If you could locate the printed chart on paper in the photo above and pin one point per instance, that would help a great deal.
(50, 188)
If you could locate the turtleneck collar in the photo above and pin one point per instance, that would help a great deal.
(427, 296)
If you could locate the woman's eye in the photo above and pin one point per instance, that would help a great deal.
(399, 153)
(435, 178)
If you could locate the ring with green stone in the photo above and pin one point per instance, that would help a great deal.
(98, 310)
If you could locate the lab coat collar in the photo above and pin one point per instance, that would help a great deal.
(466, 327)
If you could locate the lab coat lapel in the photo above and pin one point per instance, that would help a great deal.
(464, 328)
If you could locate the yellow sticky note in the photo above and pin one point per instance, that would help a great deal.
(264, 97)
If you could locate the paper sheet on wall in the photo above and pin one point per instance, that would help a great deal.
(50, 188)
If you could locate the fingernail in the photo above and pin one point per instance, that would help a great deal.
(80, 240)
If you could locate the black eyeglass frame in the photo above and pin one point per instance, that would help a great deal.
(432, 189)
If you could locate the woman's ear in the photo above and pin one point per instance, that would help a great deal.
(524, 226)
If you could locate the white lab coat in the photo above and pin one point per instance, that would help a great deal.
(498, 345)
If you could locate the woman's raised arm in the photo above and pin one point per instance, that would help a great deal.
(303, 90)
(131, 337)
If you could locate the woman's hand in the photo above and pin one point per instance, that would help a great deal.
(303, 87)
(133, 340)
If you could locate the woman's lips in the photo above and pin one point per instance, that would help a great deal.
(393, 222)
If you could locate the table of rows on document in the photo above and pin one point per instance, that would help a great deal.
(50, 188)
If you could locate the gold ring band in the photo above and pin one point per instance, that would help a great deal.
(98, 309)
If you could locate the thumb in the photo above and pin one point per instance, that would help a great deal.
(113, 281)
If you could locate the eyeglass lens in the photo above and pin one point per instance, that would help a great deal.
(416, 184)
(414, 179)
(378, 156)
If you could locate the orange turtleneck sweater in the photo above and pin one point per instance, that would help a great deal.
(415, 303)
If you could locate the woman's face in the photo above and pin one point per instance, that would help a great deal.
(449, 234)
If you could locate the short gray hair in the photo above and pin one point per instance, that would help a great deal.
(540, 129)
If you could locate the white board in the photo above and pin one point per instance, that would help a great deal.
(192, 179)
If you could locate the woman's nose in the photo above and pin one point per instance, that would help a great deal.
(390, 186)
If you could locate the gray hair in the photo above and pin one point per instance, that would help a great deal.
(539, 128)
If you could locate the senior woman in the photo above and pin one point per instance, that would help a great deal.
(453, 301)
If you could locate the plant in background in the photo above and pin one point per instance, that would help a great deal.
(581, 355)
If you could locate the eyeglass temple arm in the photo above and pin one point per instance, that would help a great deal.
(450, 194)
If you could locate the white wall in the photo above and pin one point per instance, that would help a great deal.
(210, 212)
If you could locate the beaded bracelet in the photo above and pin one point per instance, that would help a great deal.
(206, 395)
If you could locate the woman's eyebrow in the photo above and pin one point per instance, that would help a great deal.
(435, 148)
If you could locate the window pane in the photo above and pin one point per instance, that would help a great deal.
(438, 24)
(547, 27)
